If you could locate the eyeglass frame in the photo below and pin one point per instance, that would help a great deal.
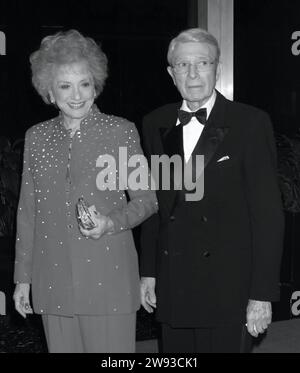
(208, 68)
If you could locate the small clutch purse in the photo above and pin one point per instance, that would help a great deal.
(83, 215)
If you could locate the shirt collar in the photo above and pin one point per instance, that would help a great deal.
(84, 123)
(208, 105)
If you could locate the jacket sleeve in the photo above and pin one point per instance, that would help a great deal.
(265, 206)
(25, 220)
(143, 202)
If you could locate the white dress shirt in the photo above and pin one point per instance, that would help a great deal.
(193, 130)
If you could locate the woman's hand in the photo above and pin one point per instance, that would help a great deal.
(21, 298)
(103, 225)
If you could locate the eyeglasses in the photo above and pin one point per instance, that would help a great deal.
(183, 67)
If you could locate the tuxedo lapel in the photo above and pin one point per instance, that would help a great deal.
(213, 133)
(209, 142)
(170, 133)
(172, 141)
(212, 136)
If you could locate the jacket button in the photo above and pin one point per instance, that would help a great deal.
(166, 252)
(206, 254)
(204, 219)
(172, 217)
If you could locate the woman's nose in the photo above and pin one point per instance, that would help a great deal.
(76, 93)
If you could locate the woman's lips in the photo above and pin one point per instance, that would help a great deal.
(76, 106)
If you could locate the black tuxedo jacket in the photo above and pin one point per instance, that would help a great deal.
(211, 256)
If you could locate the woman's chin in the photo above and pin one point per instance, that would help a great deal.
(79, 113)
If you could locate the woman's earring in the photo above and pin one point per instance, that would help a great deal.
(51, 99)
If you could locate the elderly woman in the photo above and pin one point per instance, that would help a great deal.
(85, 282)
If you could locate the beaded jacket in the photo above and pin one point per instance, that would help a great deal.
(70, 274)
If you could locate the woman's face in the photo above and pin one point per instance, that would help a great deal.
(73, 90)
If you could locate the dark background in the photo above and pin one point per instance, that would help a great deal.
(135, 35)
(266, 73)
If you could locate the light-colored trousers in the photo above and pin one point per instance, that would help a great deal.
(93, 334)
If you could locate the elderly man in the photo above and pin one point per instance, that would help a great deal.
(211, 266)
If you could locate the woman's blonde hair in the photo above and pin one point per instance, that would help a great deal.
(65, 48)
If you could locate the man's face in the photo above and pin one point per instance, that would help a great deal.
(195, 86)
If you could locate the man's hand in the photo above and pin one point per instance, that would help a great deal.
(148, 297)
(103, 225)
(21, 298)
(259, 316)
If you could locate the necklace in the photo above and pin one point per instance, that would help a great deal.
(72, 131)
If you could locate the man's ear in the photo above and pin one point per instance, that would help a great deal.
(218, 71)
(171, 73)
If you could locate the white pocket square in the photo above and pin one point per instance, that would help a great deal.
(225, 158)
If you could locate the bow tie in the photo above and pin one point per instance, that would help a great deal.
(185, 116)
